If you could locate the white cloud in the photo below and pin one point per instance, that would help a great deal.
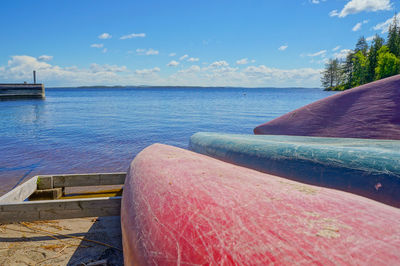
(253, 61)
(173, 63)
(221, 63)
(316, 2)
(357, 6)
(105, 50)
(172, 54)
(96, 68)
(97, 45)
(243, 61)
(336, 48)
(370, 38)
(150, 51)
(384, 26)
(183, 57)
(321, 61)
(320, 53)
(280, 74)
(45, 58)
(104, 35)
(147, 71)
(193, 59)
(133, 35)
(333, 13)
(191, 69)
(283, 48)
(342, 54)
(19, 68)
(20, 63)
(358, 25)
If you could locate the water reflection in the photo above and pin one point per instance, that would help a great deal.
(97, 130)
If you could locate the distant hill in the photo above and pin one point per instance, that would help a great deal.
(167, 87)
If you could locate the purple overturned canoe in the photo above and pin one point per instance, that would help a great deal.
(370, 111)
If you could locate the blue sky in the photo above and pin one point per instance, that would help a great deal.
(249, 43)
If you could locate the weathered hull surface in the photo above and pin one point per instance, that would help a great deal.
(370, 168)
(369, 111)
(183, 208)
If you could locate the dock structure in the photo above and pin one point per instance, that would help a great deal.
(71, 219)
(21, 91)
(46, 191)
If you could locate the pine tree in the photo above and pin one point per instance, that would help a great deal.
(365, 64)
(337, 73)
(347, 70)
(362, 46)
(331, 76)
(372, 57)
(327, 76)
(393, 42)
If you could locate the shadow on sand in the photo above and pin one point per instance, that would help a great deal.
(106, 230)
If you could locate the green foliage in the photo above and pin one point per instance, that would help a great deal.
(347, 70)
(359, 69)
(361, 46)
(330, 76)
(388, 64)
(393, 42)
(365, 64)
(372, 58)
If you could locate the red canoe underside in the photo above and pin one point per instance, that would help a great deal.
(369, 111)
(181, 207)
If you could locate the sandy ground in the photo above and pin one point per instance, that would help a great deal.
(60, 242)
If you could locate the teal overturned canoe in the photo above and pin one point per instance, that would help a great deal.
(369, 168)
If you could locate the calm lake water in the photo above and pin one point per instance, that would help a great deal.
(101, 130)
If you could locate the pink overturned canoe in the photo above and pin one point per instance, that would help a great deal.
(183, 208)
(368, 111)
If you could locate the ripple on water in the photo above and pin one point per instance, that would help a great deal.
(101, 130)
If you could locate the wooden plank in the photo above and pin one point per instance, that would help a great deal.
(59, 209)
(78, 180)
(45, 182)
(21, 192)
(46, 194)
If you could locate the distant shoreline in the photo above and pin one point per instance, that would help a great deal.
(172, 87)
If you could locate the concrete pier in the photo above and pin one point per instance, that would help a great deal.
(21, 91)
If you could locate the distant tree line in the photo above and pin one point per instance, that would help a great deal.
(365, 63)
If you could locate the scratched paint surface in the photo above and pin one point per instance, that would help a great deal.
(366, 167)
(184, 208)
(368, 111)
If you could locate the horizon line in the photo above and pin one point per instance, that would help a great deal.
(172, 86)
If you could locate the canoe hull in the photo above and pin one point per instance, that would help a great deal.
(369, 111)
(370, 168)
(180, 207)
